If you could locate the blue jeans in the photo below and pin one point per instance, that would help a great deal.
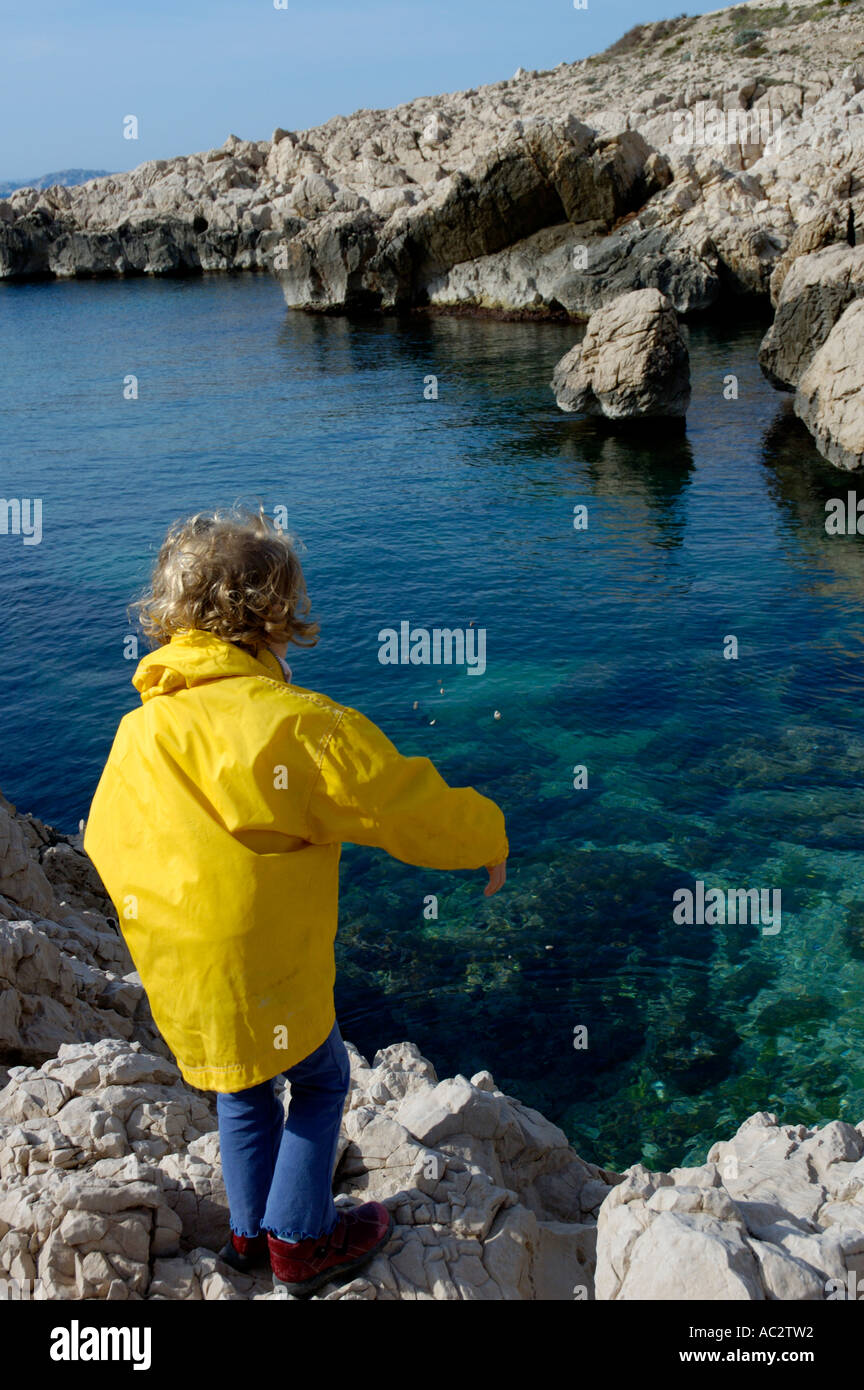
(278, 1169)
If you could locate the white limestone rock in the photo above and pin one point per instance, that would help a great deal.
(830, 394)
(111, 1184)
(65, 972)
(631, 364)
(735, 170)
(22, 879)
(773, 1214)
(816, 291)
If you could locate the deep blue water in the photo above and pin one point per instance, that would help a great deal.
(604, 648)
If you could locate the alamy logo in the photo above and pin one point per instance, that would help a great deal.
(20, 1290)
(758, 906)
(845, 516)
(420, 646)
(21, 516)
(837, 1290)
(705, 126)
(76, 1343)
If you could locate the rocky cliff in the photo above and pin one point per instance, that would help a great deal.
(110, 1182)
(696, 156)
(703, 158)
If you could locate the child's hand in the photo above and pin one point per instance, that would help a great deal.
(497, 878)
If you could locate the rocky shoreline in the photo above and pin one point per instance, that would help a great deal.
(710, 158)
(690, 157)
(110, 1183)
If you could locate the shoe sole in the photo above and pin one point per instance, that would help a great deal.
(256, 1266)
(243, 1264)
(336, 1273)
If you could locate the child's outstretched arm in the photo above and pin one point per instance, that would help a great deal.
(367, 793)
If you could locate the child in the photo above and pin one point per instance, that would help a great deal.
(216, 828)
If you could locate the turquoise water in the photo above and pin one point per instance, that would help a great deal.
(604, 648)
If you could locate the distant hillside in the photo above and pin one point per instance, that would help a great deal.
(696, 156)
(67, 178)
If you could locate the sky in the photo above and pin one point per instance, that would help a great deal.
(195, 71)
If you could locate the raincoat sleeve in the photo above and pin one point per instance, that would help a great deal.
(367, 793)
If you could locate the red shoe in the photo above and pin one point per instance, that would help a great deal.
(303, 1266)
(244, 1253)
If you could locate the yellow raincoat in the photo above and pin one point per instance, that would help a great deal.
(217, 827)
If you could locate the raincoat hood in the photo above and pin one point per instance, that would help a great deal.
(193, 657)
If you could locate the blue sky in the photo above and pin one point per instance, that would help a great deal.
(194, 72)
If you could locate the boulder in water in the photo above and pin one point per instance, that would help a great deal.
(632, 363)
(830, 395)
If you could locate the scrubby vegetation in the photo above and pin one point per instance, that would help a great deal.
(747, 26)
(648, 34)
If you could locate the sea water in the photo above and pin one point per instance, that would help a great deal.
(672, 649)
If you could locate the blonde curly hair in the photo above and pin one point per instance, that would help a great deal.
(230, 572)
